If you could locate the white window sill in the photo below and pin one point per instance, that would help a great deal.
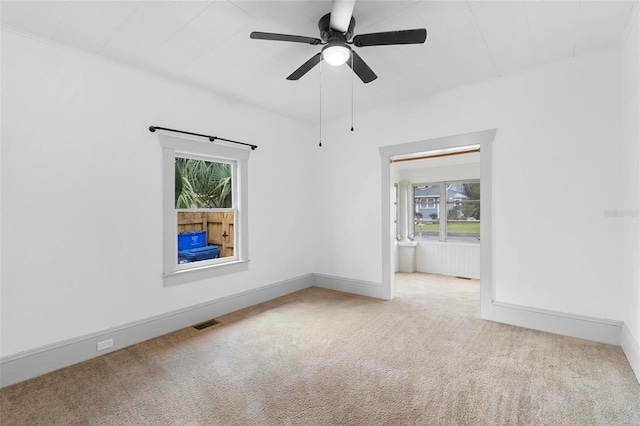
(448, 243)
(202, 273)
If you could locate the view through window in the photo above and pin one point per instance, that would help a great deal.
(204, 202)
(447, 211)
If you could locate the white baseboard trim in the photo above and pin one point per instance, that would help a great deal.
(347, 285)
(26, 365)
(583, 327)
(32, 363)
(631, 350)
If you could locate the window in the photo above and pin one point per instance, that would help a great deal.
(396, 207)
(460, 201)
(426, 213)
(204, 213)
(463, 212)
(205, 195)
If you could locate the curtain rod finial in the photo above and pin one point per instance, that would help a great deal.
(152, 129)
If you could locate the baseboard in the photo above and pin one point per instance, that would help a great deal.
(631, 349)
(26, 365)
(583, 327)
(347, 285)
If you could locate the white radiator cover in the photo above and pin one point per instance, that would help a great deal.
(455, 259)
(407, 257)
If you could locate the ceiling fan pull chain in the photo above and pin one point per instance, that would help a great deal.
(352, 92)
(320, 145)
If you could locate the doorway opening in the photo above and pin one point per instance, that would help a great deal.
(399, 230)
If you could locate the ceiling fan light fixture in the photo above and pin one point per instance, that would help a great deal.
(336, 54)
(337, 49)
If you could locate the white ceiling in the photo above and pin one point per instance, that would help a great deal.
(206, 43)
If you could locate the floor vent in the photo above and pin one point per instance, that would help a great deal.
(463, 278)
(206, 324)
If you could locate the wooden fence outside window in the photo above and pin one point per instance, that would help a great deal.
(215, 223)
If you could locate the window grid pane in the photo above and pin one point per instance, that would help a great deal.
(460, 218)
(203, 184)
(426, 212)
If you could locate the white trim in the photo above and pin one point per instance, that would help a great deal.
(194, 147)
(631, 349)
(347, 285)
(487, 290)
(25, 365)
(584, 327)
(204, 272)
(388, 243)
(32, 363)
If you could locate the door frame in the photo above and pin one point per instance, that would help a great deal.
(484, 138)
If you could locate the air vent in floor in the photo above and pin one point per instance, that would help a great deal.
(206, 324)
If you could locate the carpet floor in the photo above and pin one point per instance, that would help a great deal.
(320, 357)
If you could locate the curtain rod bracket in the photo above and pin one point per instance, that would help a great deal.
(152, 129)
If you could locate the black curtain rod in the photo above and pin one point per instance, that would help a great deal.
(211, 138)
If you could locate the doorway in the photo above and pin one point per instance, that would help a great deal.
(482, 139)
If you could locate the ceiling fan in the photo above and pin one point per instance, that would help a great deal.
(336, 30)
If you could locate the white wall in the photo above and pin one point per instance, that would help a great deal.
(453, 259)
(556, 167)
(81, 193)
(631, 201)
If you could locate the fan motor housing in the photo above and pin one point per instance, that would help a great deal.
(327, 34)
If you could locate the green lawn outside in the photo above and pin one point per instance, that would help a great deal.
(454, 228)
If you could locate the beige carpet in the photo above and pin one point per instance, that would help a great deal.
(319, 357)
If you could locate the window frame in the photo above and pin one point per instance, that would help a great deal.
(396, 207)
(194, 147)
(442, 205)
(234, 203)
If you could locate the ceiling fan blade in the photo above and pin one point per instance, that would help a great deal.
(416, 36)
(361, 69)
(284, 37)
(341, 12)
(306, 67)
